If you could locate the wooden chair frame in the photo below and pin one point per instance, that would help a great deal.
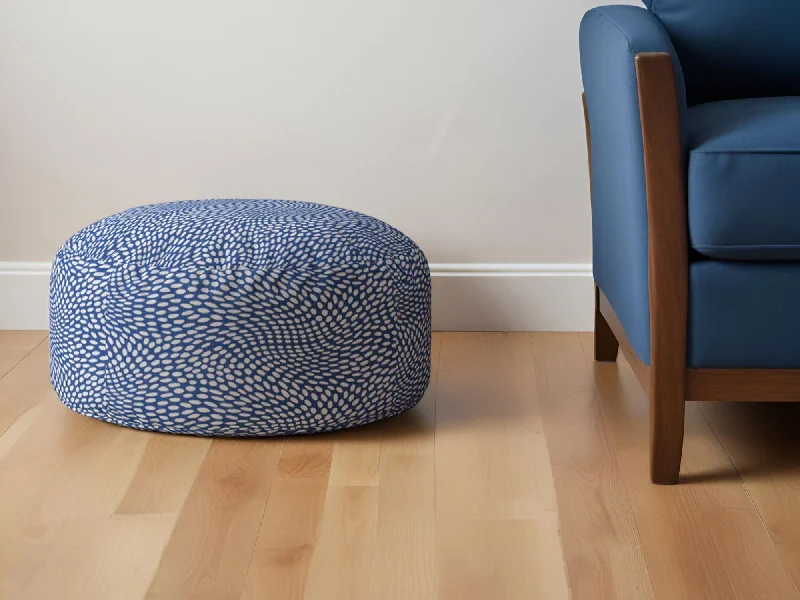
(668, 383)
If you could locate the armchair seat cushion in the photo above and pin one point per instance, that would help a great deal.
(744, 179)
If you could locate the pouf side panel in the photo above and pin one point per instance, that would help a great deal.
(78, 339)
(240, 318)
(412, 329)
(245, 353)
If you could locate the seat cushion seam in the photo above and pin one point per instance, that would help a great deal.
(748, 151)
(744, 246)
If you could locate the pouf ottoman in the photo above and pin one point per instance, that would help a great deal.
(240, 318)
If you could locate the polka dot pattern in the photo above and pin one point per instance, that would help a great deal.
(240, 318)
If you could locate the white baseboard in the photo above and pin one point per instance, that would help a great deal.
(512, 297)
(466, 297)
(24, 295)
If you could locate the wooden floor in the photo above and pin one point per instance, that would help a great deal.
(523, 474)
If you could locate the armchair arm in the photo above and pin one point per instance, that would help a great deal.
(611, 37)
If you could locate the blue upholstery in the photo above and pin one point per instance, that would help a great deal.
(744, 179)
(240, 318)
(744, 315)
(610, 39)
(734, 48)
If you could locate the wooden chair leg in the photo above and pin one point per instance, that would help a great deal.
(606, 346)
(666, 433)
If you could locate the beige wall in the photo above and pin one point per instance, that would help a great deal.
(458, 121)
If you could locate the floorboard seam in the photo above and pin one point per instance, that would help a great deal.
(19, 362)
(596, 394)
(261, 521)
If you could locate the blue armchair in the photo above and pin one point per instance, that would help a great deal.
(693, 122)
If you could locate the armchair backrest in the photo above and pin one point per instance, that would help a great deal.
(734, 48)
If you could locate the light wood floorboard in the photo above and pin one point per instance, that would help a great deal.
(495, 503)
(16, 345)
(522, 474)
(602, 547)
(709, 512)
(212, 544)
(24, 386)
(763, 441)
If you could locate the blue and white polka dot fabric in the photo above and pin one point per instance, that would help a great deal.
(240, 318)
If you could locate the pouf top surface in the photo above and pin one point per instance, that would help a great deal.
(254, 234)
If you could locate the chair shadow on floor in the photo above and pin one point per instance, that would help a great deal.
(760, 438)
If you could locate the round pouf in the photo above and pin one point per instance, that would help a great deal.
(240, 318)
